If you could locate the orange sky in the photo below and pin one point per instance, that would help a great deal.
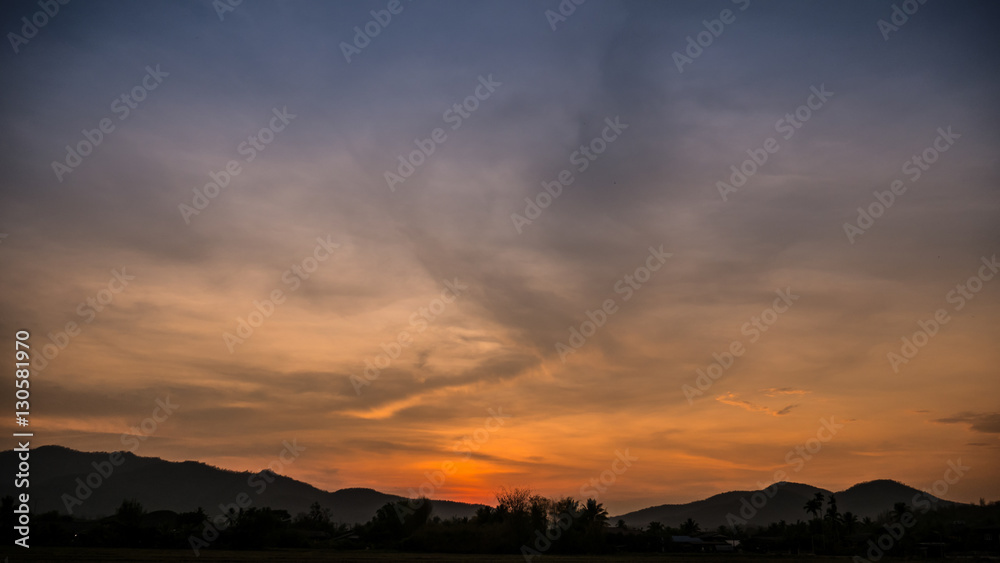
(388, 257)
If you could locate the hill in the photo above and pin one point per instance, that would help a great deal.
(59, 481)
(781, 501)
(67, 480)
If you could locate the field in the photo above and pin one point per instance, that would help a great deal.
(306, 556)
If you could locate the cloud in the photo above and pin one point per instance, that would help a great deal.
(731, 399)
(986, 422)
(494, 346)
(776, 391)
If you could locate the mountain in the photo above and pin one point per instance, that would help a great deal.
(781, 501)
(63, 479)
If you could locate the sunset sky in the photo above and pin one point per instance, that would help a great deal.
(336, 223)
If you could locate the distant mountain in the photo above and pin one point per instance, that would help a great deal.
(782, 501)
(57, 474)
(183, 486)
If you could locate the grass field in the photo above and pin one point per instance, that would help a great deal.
(307, 556)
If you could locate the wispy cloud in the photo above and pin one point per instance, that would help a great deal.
(986, 422)
(778, 391)
(731, 399)
(324, 175)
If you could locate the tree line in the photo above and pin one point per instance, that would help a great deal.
(526, 523)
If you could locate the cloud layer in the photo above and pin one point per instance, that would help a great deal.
(517, 104)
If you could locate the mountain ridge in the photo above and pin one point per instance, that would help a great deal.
(782, 501)
(88, 484)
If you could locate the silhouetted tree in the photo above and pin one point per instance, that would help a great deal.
(899, 509)
(831, 510)
(317, 519)
(7, 520)
(386, 526)
(257, 528)
(814, 505)
(486, 515)
(733, 531)
(521, 513)
(513, 502)
(538, 511)
(594, 513)
(834, 520)
(690, 527)
(130, 511)
(416, 516)
(566, 505)
(850, 522)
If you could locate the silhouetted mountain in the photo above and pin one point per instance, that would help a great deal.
(59, 477)
(59, 474)
(757, 508)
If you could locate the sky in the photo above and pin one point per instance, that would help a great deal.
(451, 246)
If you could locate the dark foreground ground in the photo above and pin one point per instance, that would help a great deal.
(307, 556)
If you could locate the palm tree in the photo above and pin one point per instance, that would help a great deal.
(658, 531)
(733, 531)
(690, 527)
(850, 522)
(594, 512)
(834, 517)
(568, 506)
(831, 510)
(814, 505)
